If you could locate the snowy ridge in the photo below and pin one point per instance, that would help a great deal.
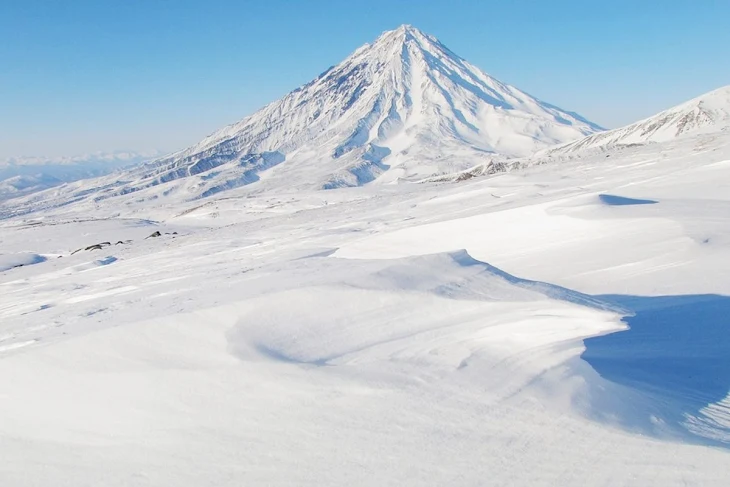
(706, 115)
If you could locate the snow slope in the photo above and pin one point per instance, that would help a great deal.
(402, 108)
(346, 336)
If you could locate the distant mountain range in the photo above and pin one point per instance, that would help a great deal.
(24, 175)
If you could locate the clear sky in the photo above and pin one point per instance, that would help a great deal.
(80, 76)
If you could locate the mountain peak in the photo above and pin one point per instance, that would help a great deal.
(405, 34)
(402, 30)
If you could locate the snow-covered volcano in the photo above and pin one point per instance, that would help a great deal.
(403, 107)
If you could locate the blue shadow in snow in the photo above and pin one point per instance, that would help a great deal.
(676, 354)
(613, 200)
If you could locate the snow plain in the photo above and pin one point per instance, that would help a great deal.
(472, 333)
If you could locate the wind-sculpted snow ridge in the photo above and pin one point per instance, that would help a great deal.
(402, 108)
(552, 291)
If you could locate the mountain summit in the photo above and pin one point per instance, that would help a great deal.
(402, 108)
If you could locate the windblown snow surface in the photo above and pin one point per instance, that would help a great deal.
(561, 325)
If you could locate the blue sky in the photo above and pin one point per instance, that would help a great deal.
(79, 76)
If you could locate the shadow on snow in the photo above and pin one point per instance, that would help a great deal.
(675, 357)
(613, 200)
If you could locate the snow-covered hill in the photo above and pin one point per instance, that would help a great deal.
(403, 107)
